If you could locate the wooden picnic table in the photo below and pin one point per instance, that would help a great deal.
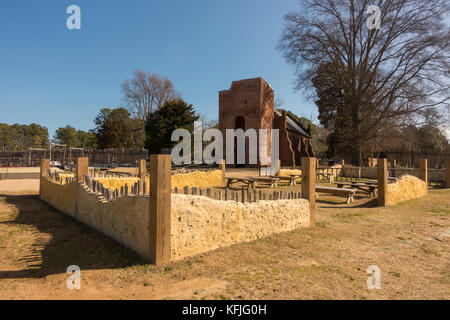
(368, 188)
(272, 181)
(349, 193)
(290, 178)
(249, 182)
(252, 181)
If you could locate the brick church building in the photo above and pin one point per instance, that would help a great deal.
(250, 104)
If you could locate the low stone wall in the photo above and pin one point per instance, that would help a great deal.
(59, 196)
(406, 188)
(201, 224)
(198, 224)
(124, 219)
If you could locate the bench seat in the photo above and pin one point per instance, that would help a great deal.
(349, 193)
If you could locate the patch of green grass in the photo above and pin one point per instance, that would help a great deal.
(322, 224)
(394, 274)
(429, 251)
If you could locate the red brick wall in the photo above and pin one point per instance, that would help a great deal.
(251, 99)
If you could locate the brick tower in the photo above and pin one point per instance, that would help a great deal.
(247, 104)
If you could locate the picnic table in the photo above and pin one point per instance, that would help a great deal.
(252, 181)
(249, 182)
(349, 193)
(368, 188)
(272, 181)
(290, 178)
(327, 176)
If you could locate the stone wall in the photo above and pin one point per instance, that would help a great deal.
(406, 188)
(201, 224)
(124, 219)
(59, 196)
(198, 224)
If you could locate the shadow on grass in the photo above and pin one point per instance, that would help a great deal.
(372, 203)
(71, 243)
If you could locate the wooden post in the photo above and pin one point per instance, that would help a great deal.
(447, 176)
(223, 167)
(382, 181)
(142, 169)
(160, 206)
(45, 165)
(81, 168)
(278, 168)
(423, 164)
(342, 162)
(309, 186)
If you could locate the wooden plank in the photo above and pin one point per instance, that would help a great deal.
(81, 168)
(223, 168)
(45, 165)
(160, 206)
(423, 165)
(382, 181)
(349, 193)
(142, 169)
(309, 186)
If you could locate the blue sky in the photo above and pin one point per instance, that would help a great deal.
(54, 76)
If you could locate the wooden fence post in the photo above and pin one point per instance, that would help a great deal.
(82, 166)
(81, 169)
(223, 167)
(142, 169)
(160, 207)
(309, 186)
(382, 181)
(423, 164)
(45, 165)
(447, 176)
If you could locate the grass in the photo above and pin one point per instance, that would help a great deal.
(328, 261)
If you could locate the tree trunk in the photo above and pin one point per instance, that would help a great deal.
(356, 135)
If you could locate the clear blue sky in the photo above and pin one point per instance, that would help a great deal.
(54, 76)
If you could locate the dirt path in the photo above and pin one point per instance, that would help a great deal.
(19, 186)
(410, 243)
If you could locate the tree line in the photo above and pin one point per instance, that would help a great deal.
(18, 137)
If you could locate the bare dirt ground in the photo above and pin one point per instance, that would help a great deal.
(410, 242)
(22, 186)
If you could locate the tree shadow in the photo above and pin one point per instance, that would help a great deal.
(71, 242)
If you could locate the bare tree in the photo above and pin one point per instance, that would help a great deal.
(387, 74)
(147, 92)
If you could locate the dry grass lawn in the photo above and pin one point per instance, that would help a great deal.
(410, 242)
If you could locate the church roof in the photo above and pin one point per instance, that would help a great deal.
(293, 125)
